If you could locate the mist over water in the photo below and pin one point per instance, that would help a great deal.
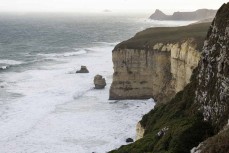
(44, 105)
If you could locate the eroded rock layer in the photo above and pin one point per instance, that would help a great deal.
(157, 69)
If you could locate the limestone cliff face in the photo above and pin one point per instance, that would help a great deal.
(157, 73)
(184, 59)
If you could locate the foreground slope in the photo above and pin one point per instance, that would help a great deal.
(201, 109)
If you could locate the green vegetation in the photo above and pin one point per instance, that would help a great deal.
(149, 37)
(185, 124)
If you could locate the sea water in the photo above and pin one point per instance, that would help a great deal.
(45, 107)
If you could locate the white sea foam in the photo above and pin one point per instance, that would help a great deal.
(66, 54)
(4, 67)
(61, 112)
(10, 62)
(157, 23)
(106, 43)
(5, 63)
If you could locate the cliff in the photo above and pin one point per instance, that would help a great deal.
(199, 113)
(184, 16)
(156, 63)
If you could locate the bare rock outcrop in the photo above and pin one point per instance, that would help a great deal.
(140, 131)
(99, 82)
(83, 69)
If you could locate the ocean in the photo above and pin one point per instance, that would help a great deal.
(45, 107)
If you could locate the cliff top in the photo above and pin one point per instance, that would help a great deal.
(146, 39)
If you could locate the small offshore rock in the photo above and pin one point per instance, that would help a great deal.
(83, 70)
(129, 140)
(99, 82)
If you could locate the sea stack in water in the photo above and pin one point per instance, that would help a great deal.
(99, 82)
(83, 70)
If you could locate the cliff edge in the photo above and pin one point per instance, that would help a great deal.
(197, 115)
(157, 62)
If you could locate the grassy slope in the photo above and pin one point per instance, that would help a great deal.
(186, 126)
(147, 38)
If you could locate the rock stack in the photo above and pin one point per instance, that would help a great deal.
(99, 82)
(83, 70)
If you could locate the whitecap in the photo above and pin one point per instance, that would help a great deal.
(107, 43)
(75, 53)
(169, 23)
(5, 63)
(3, 67)
(10, 62)
(66, 54)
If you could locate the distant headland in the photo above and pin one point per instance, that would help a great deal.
(197, 15)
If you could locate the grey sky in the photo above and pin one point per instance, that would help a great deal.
(114, 5)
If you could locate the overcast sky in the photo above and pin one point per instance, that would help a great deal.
(99, 5)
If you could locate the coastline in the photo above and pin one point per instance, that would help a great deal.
(66, 109)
